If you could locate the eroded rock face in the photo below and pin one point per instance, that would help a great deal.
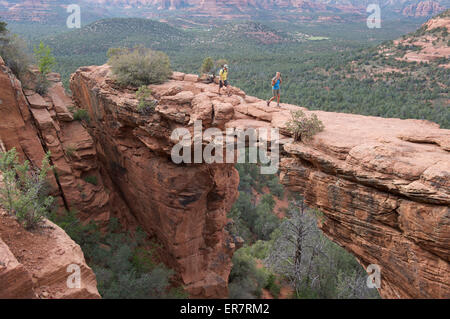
(384, 188)
(185, 206)
(35, 124)
(38, 264)
(423, 9)
(383, 185)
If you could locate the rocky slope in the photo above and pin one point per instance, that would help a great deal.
(423, 9)
(38, 264)
(35, 124)
(427, 44)
(382, 184)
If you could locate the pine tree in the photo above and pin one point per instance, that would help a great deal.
(45, 58)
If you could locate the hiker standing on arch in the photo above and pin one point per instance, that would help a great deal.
(223, 81)
(276, 82)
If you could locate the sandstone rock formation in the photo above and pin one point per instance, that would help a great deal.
(185, 206)
(430, 45)
(35, 124)
(47, 10)
(37, 264)
(423, 9)
(382, 184)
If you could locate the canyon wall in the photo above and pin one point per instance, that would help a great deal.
(185, 206)
(34, 124)
(383, 185)
(118, 165)
(384, 188)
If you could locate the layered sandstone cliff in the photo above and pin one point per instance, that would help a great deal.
(44, 264)
(185, 206)
(423, 9)
(34, 125)
(382, 184)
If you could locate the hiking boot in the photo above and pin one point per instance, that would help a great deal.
(268, 103)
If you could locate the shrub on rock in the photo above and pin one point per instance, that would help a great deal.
(304, 127)
(139, 66)
(24, 190)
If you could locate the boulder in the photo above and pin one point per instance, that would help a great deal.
(46, 258)
(223, 112)
(180, 98)
(191, 78)
(61, 102)
(178, 76)
(36, 101)
(202, 108)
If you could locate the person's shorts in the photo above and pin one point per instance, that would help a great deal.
(276, 92)
(223, 83)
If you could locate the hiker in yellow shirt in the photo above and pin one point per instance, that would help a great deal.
(223, 81)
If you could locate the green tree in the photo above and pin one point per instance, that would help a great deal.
(146, 105)
(207, 65)
(24, 189)
(45, 58)
(304, 127)
(139, 66)
(245, 280)
(14, 51)
(3, 29)
(126, 265)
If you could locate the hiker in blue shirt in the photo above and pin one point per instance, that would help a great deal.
(276, 82)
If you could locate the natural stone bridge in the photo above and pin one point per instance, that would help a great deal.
(382, 184)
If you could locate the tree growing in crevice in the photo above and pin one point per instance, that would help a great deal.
(24, 190)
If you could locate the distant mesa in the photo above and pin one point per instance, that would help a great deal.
(423, 9)
(54, 10)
